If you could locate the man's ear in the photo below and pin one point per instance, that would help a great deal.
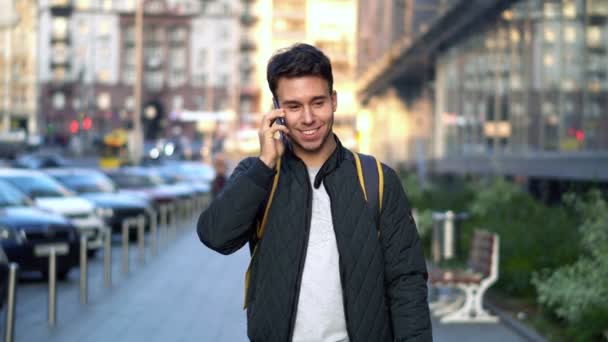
(334, 100)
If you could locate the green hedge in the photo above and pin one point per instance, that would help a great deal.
(555, 255)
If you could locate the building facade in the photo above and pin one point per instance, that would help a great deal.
(270, 25)
(18, 80)
(517, 88)
(88, 65)
(392, 124)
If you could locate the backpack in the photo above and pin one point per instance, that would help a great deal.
(371, 179)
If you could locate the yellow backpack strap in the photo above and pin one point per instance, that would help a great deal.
(260, 229)
(275, 182)
(380, 183)
(371, 179)
(360, 174)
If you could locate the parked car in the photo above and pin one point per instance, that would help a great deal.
(137, 181)
(26, 232)
(50, 195)
(98, 188)
(40, 161)
(4, 269)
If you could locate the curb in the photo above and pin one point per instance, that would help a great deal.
(515, 325)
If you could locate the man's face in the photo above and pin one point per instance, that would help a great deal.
(309, 111)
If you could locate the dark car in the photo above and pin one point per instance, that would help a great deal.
(26, 233)
(98, 188)
(4, 273)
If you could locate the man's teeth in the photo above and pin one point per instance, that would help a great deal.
(309, 132)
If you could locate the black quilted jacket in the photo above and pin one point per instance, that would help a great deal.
(383, 278)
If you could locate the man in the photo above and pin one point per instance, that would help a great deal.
(323, 270)
(219, 181)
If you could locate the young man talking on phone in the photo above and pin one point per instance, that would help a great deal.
(327, 268)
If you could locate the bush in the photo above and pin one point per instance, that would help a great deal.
(579, 292)
(531, 234)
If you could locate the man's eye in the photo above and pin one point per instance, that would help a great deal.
(318, 104)
(293, 107)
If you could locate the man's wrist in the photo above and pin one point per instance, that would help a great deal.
(270, 163)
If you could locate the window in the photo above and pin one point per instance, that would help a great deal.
(60, 27)
(177, 78)
(200, 102)
(222, 80)
(60, 53)
(103, 76)
(128, 76)
(59, 74)
(129, 35)
(177, 58)
(594, 36)
(178, 35)
(202, 58)
(154, 80)
(178, 102)
(83, 4)
(199, 80)
(570, 34)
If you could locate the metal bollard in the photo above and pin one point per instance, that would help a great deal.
(125, 246)
(449, 236)
(173, 225)
(164, 225)
(141, 242)
(153, 231)
(83, 269)
(52, 286)
(107, 258)
(9, 328)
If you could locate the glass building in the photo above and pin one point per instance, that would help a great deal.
(532, 80)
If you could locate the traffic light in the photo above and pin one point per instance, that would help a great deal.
(74, 126)
(87, 123)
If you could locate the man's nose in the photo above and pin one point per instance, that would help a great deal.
(308, 115)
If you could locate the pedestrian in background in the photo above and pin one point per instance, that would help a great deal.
(219, 164)
(325, 266)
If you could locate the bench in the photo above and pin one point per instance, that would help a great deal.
(482, 273)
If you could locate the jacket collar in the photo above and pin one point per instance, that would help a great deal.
(294, 163)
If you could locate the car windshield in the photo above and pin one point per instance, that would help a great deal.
(136, 181)
(10, 197)
(38, 186)
(89, 182)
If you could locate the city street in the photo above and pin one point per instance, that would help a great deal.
(186, 293)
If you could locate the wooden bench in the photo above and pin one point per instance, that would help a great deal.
(482, 272)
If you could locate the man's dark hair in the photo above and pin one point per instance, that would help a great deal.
(298, 60)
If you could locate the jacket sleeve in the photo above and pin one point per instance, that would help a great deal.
(227, 224)
(405, 267)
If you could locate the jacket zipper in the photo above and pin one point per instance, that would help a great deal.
(341, 272)
(302, 260)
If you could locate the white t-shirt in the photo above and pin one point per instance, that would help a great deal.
(320, 315)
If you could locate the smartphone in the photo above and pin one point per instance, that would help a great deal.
(280, 120)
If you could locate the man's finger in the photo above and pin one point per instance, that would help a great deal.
(271, 116)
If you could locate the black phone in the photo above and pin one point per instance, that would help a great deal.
(281, 121)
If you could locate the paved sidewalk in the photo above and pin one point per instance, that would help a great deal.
(189, 293)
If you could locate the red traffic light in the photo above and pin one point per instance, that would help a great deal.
(87, 123)
(74, 126)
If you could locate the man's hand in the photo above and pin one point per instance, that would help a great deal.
(271, 146)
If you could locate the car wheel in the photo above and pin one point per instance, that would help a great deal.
(62, 274)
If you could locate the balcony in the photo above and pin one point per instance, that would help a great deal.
(61, 8)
